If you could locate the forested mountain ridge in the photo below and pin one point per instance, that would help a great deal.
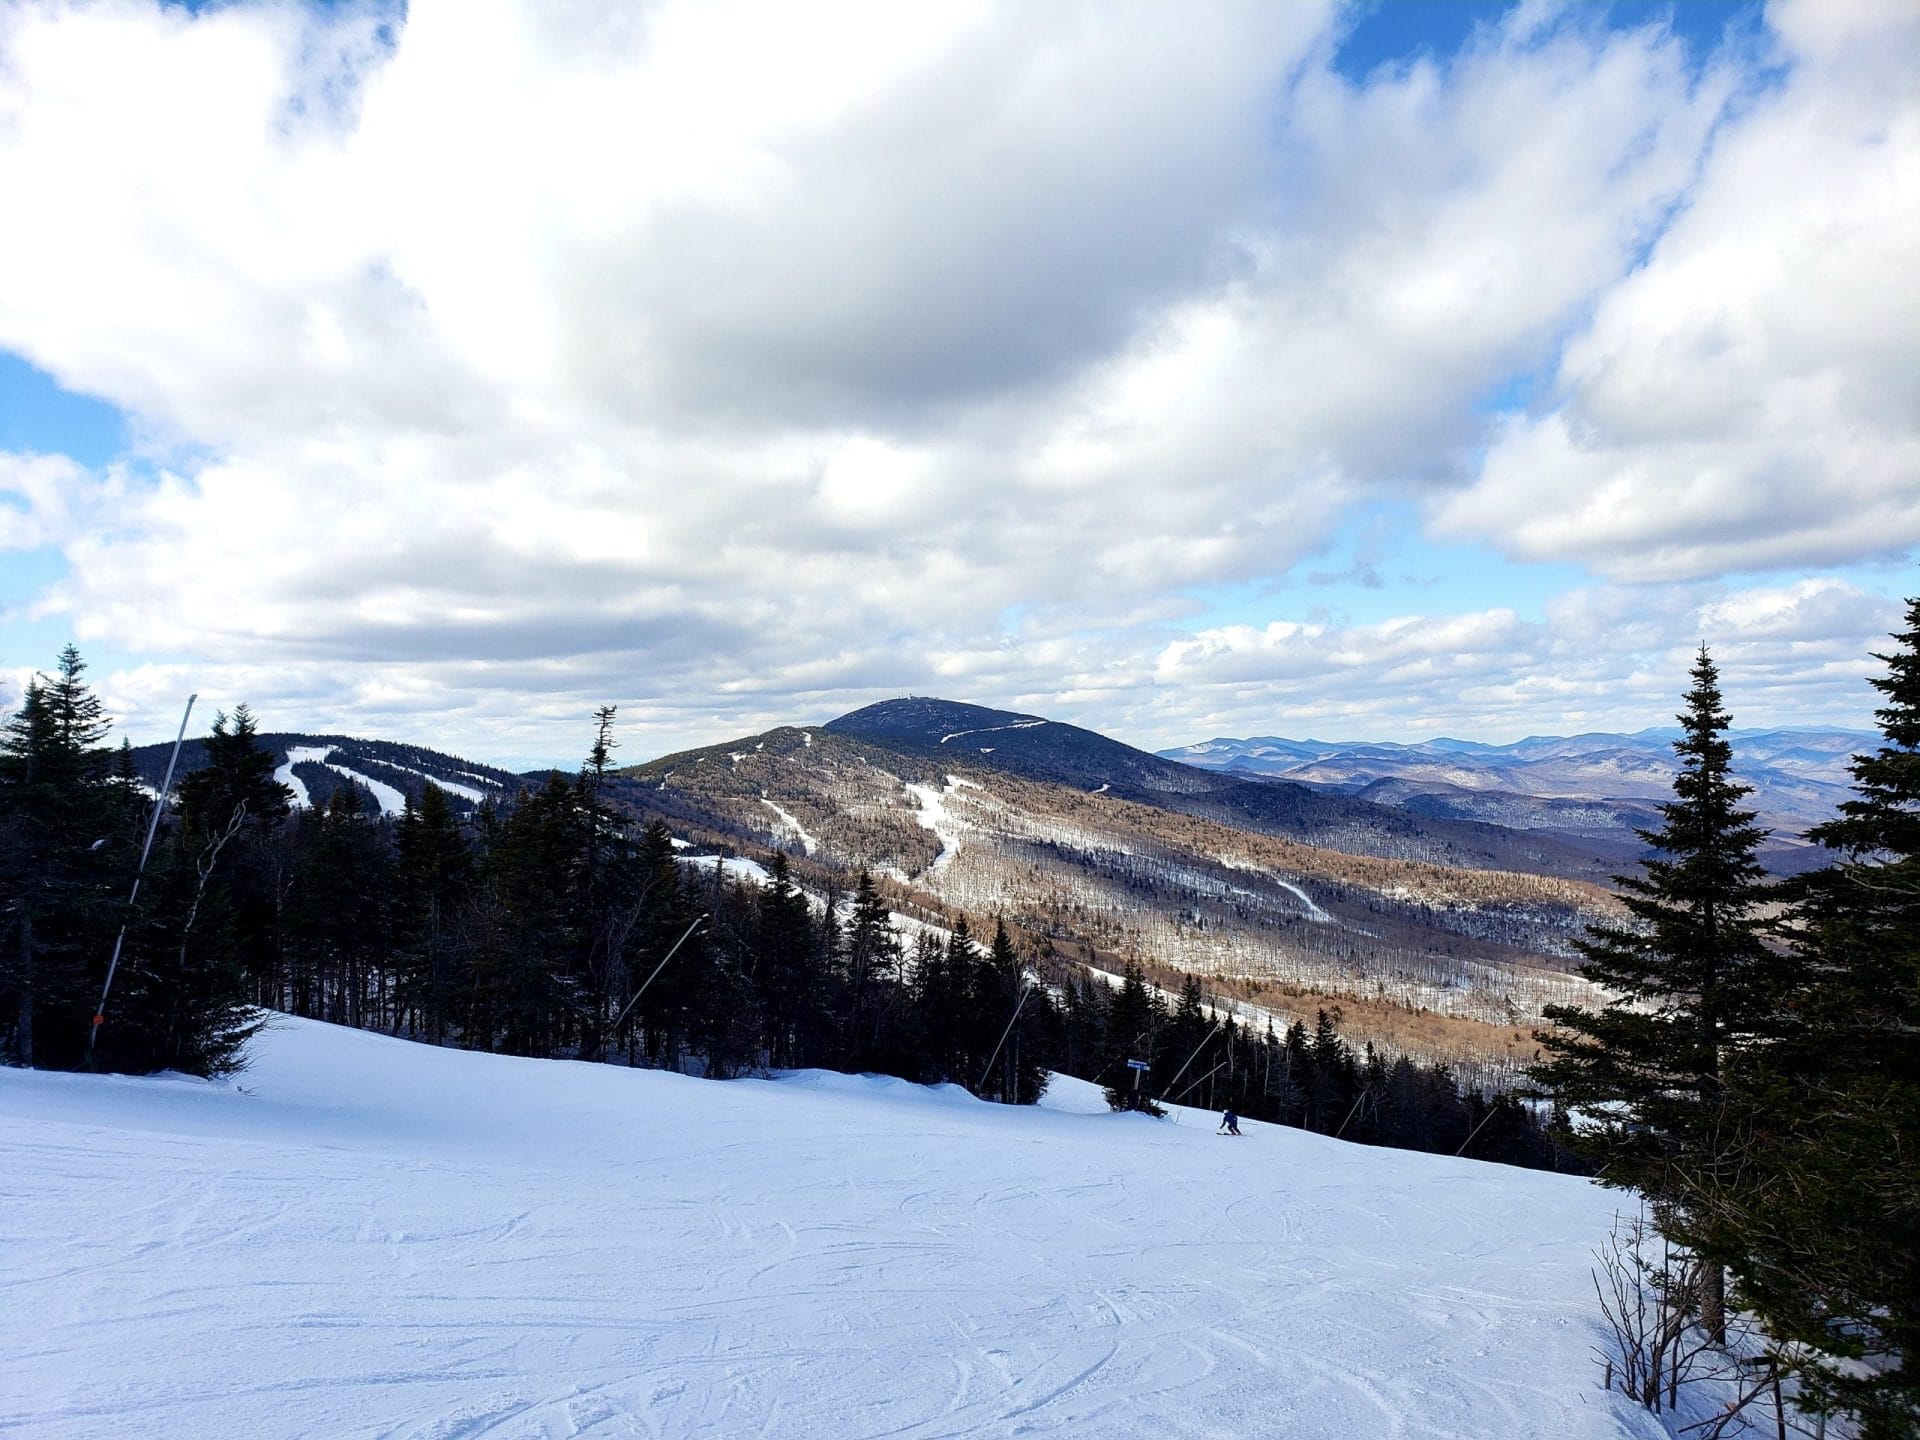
(1433, 935)
(1593, 790)
(1059, 753)
(1437, 959)
(384, 772)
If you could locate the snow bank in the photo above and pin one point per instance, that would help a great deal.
(366, 1237)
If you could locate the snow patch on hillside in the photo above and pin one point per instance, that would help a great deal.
(933, 815)
(807, 842)
(737, 867)
(991, 729)
(465, 792)
(390, 800)
(1314, 912)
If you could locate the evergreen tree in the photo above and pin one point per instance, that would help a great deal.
(432, 876)
(1827, 1205)
(61, 877)
(237, 779)
(1331, 1087)
(528, 982)
(786, 973)
(1692, 979)
(615, 890)
(874, 1018)
(665, 908)
(1083, 1022)
(184, 1002)
(1180, 1061)
(942, 999)
(1135, 1019)
(336, 939)
(1294, 1083)
(1016, 1010)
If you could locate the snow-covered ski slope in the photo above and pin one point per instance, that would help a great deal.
(366, 1237)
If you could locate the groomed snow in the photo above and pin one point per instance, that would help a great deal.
(390, 800)
(465, 792)
(298, 755)
(367, 1237)
(933, 815)
(807, 842)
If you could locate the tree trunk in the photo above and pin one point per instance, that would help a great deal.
(23, 1039)
(1713, 1302)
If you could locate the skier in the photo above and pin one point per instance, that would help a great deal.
(1229, 1124)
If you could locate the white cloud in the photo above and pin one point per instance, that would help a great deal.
(42, 500)
(1749, 398)
(772, 358)
(1608, 657)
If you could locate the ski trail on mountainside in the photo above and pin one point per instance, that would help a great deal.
(807, 842)
(933, 815)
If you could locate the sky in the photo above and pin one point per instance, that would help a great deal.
(443, 372)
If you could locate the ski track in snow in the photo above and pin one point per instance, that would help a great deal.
(1314, 912)
(807, 842)
(990, 729)
(369, 1238)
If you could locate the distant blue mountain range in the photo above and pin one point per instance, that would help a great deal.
(1597, 788)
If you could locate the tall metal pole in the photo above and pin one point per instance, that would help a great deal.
(1193, 1057)
(656, 970)
(153, 824)
(1026, 989)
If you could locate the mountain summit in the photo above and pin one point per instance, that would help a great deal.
(1028, 745)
